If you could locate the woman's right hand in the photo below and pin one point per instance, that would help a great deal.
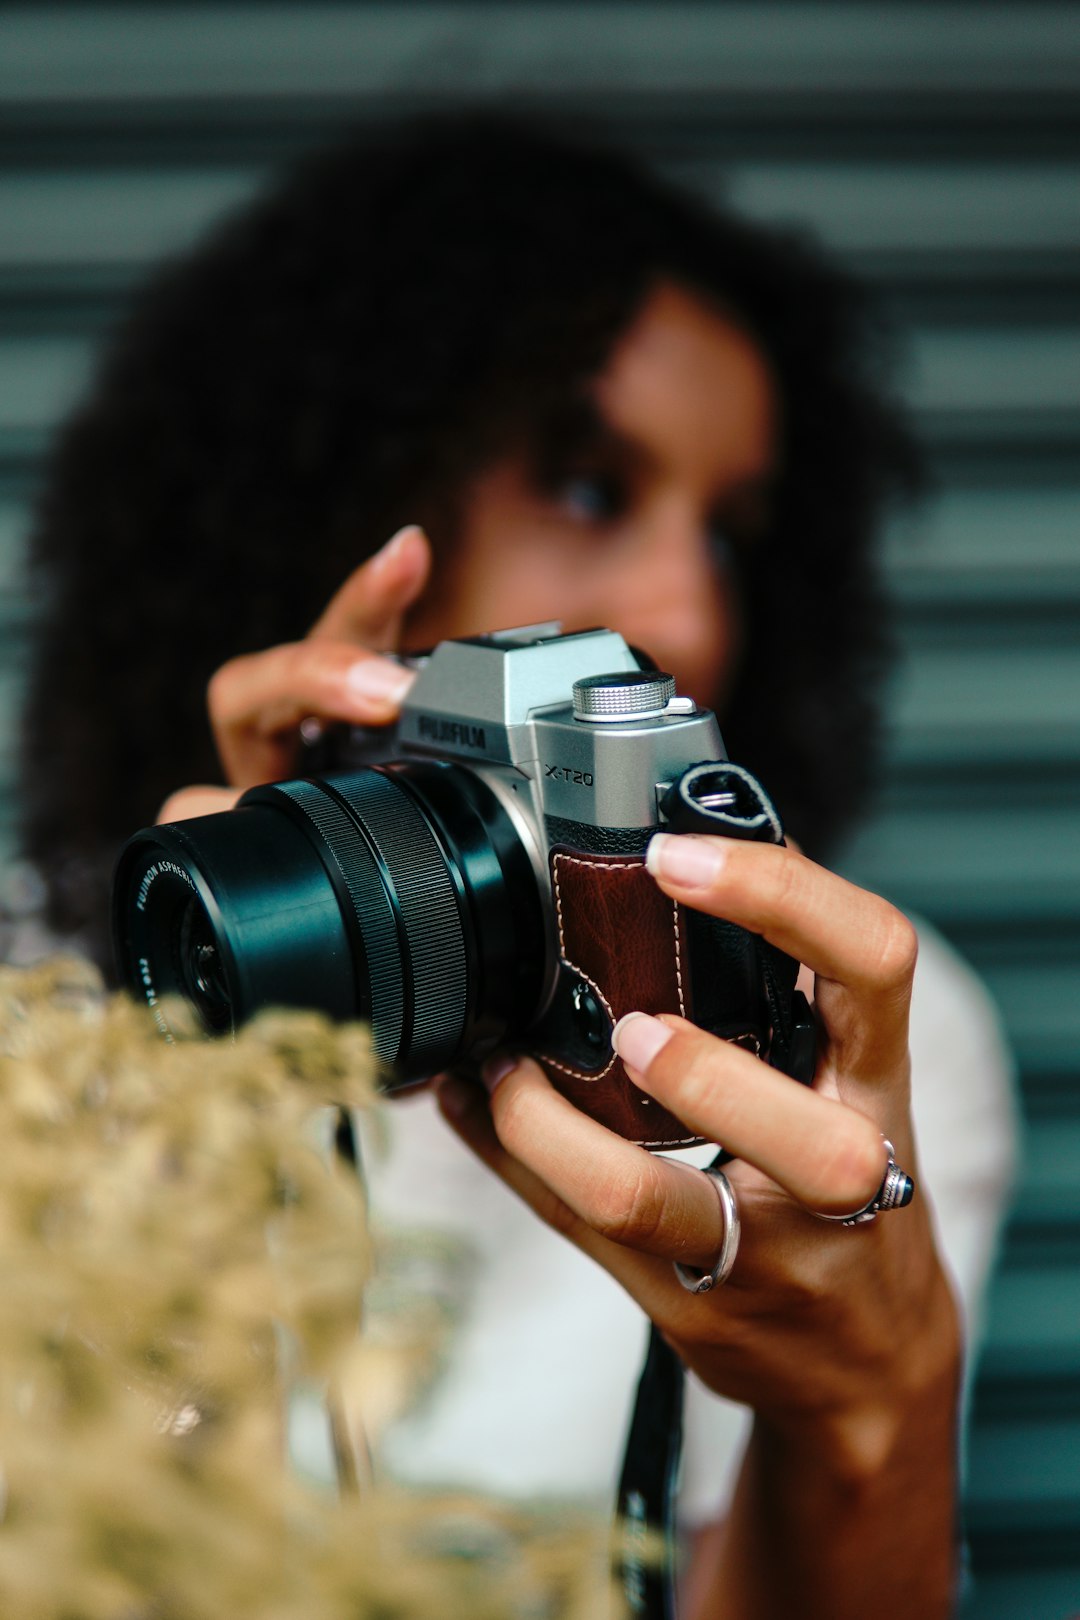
(258, 701)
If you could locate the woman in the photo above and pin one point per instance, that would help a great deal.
(606, 405)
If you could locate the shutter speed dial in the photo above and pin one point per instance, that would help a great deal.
(628, 695)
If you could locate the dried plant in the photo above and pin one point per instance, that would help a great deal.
(177, 1254)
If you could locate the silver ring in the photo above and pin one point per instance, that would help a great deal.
(699, 1282)
(896, 1191)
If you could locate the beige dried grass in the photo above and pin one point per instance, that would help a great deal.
(172, 1242)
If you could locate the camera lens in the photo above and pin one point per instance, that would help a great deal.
(400, 894)
(201, 968)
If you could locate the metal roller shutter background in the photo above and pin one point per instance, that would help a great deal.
(937, 148)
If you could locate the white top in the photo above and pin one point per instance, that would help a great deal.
(536, 1392)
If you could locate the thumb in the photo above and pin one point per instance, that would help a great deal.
(369, 608)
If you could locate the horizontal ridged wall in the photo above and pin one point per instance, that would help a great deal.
(937, 148)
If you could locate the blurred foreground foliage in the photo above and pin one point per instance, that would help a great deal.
(175, 1251)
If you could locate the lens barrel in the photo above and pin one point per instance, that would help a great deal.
(401, 894)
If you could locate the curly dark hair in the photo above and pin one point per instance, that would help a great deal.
(344, 355)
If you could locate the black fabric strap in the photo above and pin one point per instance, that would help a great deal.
(645, 1559)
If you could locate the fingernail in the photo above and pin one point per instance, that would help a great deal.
(377, 678)
(387, 552)
(693, 863)
(637, 1038)
(458, 1097)
(496, 1069)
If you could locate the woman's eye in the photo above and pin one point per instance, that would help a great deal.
(592, 497)
(723, 548)
(734, 542)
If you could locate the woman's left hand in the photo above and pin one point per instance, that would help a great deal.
(843, 1340)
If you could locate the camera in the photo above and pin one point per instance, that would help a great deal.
(480, 884)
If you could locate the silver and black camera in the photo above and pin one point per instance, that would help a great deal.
(482, 884)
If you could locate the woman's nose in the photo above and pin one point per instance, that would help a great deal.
(674, 599)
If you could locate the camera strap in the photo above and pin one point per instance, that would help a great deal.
(645, 1506)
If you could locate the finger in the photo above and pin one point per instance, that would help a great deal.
(466, 1107)
(622, 1192)
(828, 1156)
(369, 608)
(647, 1278)
(196, 801)
(839, 930)
(257, 701)
(847, 936)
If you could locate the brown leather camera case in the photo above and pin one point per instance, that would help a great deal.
(627, 939)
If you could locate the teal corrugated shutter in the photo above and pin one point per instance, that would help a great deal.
(937, 147)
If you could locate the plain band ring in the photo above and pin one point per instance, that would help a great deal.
(896, 1192)
(700, 1282)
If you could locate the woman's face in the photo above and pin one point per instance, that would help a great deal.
(639, 524)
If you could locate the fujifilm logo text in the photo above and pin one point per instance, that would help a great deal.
(455, 732)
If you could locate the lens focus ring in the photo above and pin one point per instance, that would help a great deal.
(345, 844)
(416, 874)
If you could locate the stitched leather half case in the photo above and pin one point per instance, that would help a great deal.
(626, 939)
